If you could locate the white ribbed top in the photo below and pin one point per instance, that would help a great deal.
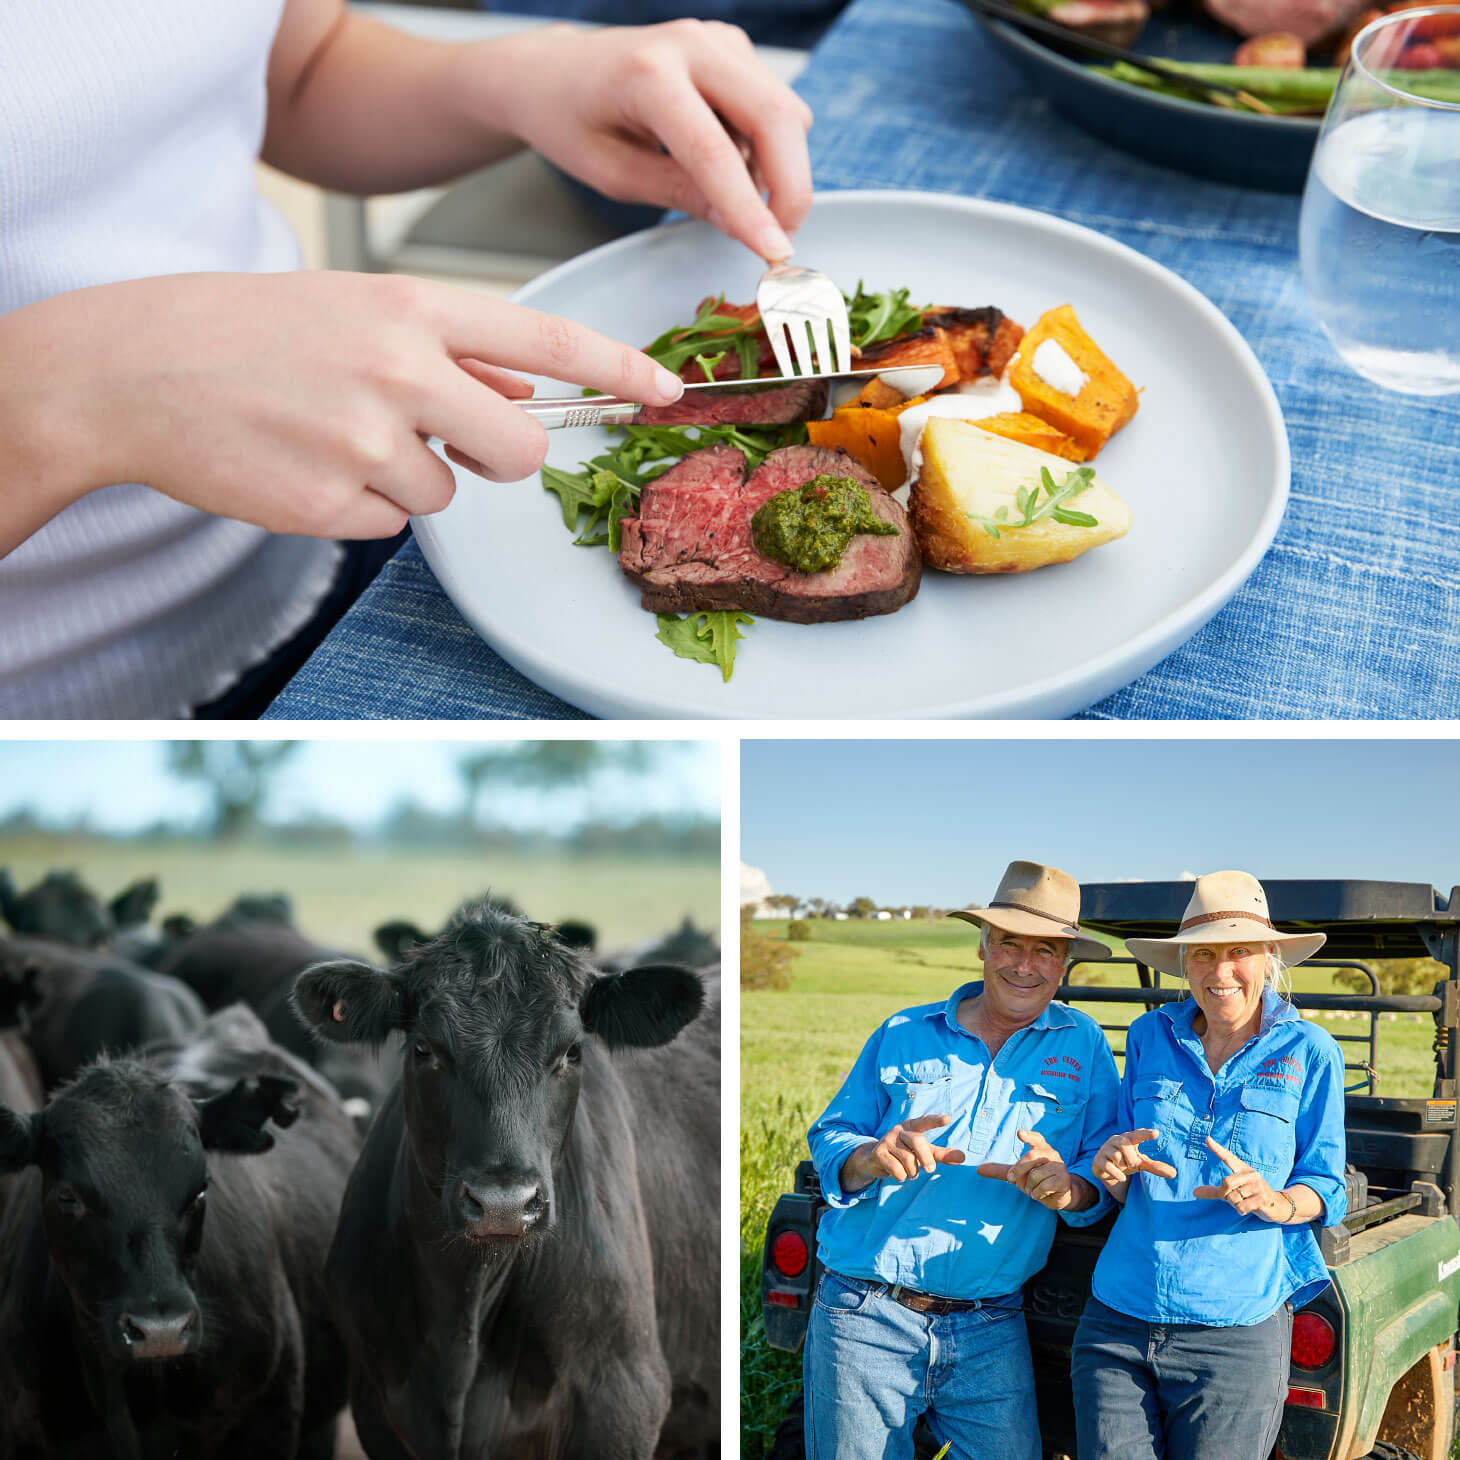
(128, 137)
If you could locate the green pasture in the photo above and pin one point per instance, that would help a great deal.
(341, 895)
(797, 1044)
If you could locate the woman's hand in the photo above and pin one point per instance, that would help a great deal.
(1245, 1190)
(1040, 1173)
(900, 1153)
(300, 402)
(1120, 1158)
(683, 115)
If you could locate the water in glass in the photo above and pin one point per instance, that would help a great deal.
(1380, 244)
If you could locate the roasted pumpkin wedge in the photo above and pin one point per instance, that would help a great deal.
(1031, 431)
(872, 434)
(1089, 410)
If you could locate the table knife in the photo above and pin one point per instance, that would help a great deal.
(612, 410)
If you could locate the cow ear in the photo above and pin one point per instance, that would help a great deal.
(349, 1002)
(234, 1121)
(642, 1006)
(133, 905)
(19, 1138)
(397, 939)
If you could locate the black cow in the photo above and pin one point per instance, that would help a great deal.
(397, 938)
(687, 944)
(164, 1260)
(91, 1003)
(62, 907)
(20, 1080)
(237, 959)
(526, 1263)
(252, 957)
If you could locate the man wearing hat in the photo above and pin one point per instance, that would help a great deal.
(1230, 1144)
(926, 1246)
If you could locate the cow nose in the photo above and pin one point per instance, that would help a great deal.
(159, 1335)
(501, 1209)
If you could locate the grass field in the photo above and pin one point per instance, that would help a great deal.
(796, 1045)
(341, 896)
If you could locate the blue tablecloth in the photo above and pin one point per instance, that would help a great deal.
(1354, 613)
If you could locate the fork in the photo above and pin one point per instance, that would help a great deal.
(804, 312)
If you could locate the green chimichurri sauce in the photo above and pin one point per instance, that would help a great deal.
(808, 527)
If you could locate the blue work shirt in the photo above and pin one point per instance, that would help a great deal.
(1276, 1104)
(956, 1233)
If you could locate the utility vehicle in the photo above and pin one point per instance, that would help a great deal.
(1372, 1370)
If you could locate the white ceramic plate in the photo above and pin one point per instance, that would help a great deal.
(1204, 466)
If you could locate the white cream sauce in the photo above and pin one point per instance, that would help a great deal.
(971, 400)
(1052, 364)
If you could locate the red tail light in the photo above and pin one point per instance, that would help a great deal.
(1313, 1341)
(789, 1254)
(1306, 1398)
(782, 1300)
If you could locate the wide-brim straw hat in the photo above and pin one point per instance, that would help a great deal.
(1034, 901)
(1225, 907)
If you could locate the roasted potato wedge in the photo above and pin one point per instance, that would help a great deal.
(969, 475)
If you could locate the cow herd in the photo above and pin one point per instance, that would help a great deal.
(246, 1179)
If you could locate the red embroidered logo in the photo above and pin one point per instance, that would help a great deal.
(1070, 1073)
(1281, 1068)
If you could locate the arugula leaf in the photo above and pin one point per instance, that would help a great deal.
(574, 490)
(664, 445)
(877, 317)
(1028, 503)
(707, 363)
(709, 330)
(599, 492)
(708, 636)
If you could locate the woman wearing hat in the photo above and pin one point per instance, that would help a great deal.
(1232, 1144)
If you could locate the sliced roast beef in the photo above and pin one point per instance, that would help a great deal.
(690, 548)
(774, 405)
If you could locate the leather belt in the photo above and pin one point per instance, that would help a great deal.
(928, 1303)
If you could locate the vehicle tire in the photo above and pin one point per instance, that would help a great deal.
(789, 1440)
(1383, 1450)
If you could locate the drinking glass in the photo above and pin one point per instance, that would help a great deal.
(1379, 234)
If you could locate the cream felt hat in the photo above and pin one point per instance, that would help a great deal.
(1034, 901)
(1225, 907)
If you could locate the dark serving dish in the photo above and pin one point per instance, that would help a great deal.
(1192, 136)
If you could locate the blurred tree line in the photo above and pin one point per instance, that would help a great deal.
(236, 777)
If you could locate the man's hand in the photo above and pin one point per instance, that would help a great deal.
(901, 1153)
(1120, 1158)
(1245, 1189)
(1040, 1174)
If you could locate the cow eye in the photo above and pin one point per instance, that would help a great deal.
(68, 1199)
(423, 1052)
(199, 1204)
(572, 1057)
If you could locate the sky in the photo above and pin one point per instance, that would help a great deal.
(936, 822)
(123, 785)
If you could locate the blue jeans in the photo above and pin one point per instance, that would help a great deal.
(872, 1367)
(1178, 1391)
